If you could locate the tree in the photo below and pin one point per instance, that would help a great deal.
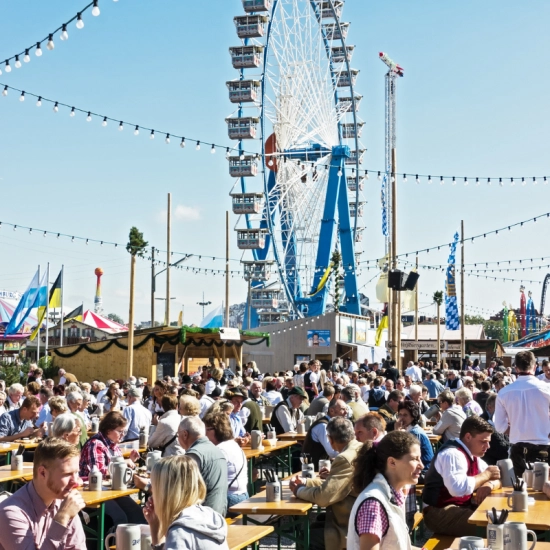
(136, 248)
(116, 318)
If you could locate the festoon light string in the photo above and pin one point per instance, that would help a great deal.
(25, 54)
(490, 270)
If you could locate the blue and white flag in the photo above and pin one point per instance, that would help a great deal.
(452, 320)
(214, 319)
(35, 295)
(531, 316)
(384, 200)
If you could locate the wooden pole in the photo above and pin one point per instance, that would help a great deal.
(438, 337)
(462, 317)
(396, 314)
(130, 366)
(168, 260)
(152, 287)
(416, 314)
(227, 268)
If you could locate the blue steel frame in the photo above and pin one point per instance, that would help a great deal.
(336, 198)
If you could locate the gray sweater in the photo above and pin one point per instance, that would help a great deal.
(197, 528)
(451, 422)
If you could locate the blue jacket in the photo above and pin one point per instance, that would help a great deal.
(426, 449)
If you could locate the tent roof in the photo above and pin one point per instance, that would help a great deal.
(429, 332)
(98, 321)
(7, 307)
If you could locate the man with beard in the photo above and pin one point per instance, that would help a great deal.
(44, 513)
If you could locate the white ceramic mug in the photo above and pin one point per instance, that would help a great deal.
(120, 477)
(16, 463)
(528, 478)
(495, 536)
(540, 475)
(255, 439)
(515, 536)
(146, 540)
(300, 428)
(127, 536)
(324, 464)
(507, 475)
(471, 543)
(518, 501)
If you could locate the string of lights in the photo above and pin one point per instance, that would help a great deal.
(470, 239)
(49, 39)
(489, 270)
(168, 136)
(486, 264)
(88, 240)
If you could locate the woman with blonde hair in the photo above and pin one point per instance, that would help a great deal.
(175, 513)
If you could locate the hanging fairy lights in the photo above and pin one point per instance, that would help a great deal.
(25, 54)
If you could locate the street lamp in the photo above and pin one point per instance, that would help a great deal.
(203, 304)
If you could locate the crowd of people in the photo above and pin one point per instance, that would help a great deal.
(368, 420)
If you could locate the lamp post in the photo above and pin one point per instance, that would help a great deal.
(203, 304)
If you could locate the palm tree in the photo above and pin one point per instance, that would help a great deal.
(136, 247)
(438, 299)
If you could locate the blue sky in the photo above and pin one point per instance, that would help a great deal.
(472, 103)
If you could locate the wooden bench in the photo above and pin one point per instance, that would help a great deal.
(231, 521)
(438, 542)
(417, 525)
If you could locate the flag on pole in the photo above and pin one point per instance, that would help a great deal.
(75, 314)
(214, 319)
(385, 205)
(54, 300)
(379, 331)
(452, 321)
(30, 299)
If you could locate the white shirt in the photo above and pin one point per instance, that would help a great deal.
(138, 418)
(205, 403)
(288, 417)
(210, 386)
(274, 397)
(543, 378)
(237, 467)
(319, 434)
(352, 367)
(452, 466)
(100, 395)
(299, 380)
(524, 406)
(415, 373)
(167, 428)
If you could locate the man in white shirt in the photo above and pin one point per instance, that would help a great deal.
(454, 475)
(522, 408)
(311, 380)
(414, 372)
(138, 416)
(545, 376)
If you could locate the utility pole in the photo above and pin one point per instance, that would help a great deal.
(390, 204)
(462, 316)
(203, 304)
(226, 321)
(416, 314)
(168, 260)
(153, 287)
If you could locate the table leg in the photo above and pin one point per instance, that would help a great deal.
(101, 527)
(305, 531)
(8, 458)
(251, 486)
(289, 459)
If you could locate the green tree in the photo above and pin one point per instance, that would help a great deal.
(116, 318)
(136, 248)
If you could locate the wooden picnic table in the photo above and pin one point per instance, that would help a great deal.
(7, 474)
(126, 452)
(241, 536)
(292, 436)
(538, 546)
(14, 445)
(289, 505)
(99, 498)
(536, 518)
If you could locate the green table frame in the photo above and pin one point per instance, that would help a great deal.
(302, 523)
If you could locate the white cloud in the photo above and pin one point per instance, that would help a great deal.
(187, 213)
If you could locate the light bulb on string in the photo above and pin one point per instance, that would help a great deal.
(136, 131)
(227, 153)
(545, 182)
(417, 180)
(182, 143)
(104, 123)
(79, 22)
(39, 101)
(56, 107)
(120, 126)
(213, 150)
(379, 176)
(89, 117)
(366, 174)
(523, 182)
(535, 181)
(50, 45)
(95, 9)
(429, 180)
(152, 134)
(72, 112)
(500, 182)
(27, 57)
(241, 156)
(198, 146)
(17, 62)
(441, 181)
(8, 67)
(64, 34)
(167, 139)
(404, 178)
(38, 51)
(22, 96)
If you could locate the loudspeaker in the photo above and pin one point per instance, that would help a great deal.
(411, 281)
(395, 279)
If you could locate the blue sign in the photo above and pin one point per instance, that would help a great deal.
(318, 338)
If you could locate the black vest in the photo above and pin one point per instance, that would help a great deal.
(308, 386)
(275, 421)
(314, 448)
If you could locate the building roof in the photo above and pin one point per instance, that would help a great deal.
(103, 323)
(429, 332)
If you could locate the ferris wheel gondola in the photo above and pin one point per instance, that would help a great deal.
(306, 120)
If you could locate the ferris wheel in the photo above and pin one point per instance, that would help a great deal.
(300, 184)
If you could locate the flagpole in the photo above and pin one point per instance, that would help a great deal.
(38, 341)
(462, 316)
(47, 308)
(61, 322)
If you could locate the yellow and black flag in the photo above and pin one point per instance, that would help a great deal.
(75, 314)
(54, 300)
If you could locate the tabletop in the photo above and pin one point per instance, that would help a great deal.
(292, 435)
(289, 505)
(14, 445)
(241, 536)
(6, 473)
(127, 452)
(538, 546)
(267, 449)
(97, 497)
(537, 516)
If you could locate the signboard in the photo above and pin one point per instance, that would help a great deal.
(346, 329)
(227, 333)
(318, 338)
(427, 345)
(361, 327)
(12, 346)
